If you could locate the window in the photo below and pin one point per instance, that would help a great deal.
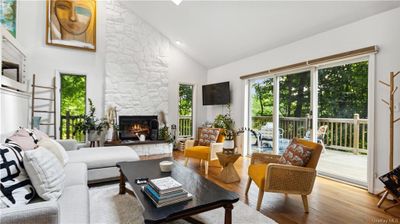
(185, 110)
(281, 108)
(72, 104)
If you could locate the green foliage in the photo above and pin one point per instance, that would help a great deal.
(185, 100)
(165, 134)
(227, 123)
(90, 122)
(73, 99)
(73, 94)
(343, 91)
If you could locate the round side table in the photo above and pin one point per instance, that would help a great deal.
(228, 173)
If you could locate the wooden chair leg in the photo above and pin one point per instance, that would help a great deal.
(305, 203)
(260, 197)
(248, 185)
(385, 194)
(201, 163)
(186, 161)
(206, 164)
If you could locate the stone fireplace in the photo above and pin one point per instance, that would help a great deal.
(131, 127)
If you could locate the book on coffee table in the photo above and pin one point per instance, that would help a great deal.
(168, 201)
(165, 185)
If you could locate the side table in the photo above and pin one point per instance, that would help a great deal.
(228, 173)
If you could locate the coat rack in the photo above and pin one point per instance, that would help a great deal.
(393, 90)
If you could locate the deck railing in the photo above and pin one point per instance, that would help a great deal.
(67, 127)
(342, 134)
(185, 126)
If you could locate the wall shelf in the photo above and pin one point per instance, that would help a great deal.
(12, 52)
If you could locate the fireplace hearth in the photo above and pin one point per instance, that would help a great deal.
(131, 127)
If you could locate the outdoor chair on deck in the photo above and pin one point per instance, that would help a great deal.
(320, 136)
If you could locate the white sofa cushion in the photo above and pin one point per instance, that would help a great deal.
(46, 173)
(102, 157)
(75, 174)
(56, 148)
(74, 205)
(16, 188)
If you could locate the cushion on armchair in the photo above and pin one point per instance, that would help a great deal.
(208, 136)
(199, 152)
(296, 154)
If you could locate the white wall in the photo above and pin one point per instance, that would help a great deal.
(182, 69)
(382, 30)
(136, 77)
(44, 60)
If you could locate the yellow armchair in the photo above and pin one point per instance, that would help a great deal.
(204, 153)
(269, 176)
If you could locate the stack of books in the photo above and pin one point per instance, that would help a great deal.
(166, 191)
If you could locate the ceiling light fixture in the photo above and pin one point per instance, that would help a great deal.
(178, 42)
(177, 2)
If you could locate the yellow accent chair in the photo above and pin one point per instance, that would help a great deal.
(205, 153)
(270, 176)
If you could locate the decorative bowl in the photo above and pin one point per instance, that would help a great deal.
(166, 166)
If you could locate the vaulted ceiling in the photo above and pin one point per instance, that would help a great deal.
(218, 32)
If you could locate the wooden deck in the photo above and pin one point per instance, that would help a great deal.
(347, 165)
(330, 201)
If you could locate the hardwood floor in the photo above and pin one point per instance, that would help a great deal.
(330, 201)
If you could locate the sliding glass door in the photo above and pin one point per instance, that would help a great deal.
(260, 111)
(281, 107)
(343, 121)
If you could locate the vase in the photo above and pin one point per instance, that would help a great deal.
(93, 135)
(229, 144)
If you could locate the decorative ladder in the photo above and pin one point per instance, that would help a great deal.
(51, 99)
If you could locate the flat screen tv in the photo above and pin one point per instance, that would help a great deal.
(216, 94)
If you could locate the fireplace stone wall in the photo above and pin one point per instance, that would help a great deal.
(136, 64)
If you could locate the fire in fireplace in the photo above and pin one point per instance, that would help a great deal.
(131, 127)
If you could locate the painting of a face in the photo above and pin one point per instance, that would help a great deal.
(72, 23)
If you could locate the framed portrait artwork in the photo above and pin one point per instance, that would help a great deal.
(71, 23)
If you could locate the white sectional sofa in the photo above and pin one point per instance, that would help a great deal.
(85, 165)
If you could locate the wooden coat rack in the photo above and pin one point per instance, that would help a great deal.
(390, 103)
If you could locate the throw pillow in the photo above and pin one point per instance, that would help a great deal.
(296, 154)
(56, 148)
(46, 173)
(208, 136)
(15, 187)
(25, 138)
(40, 134)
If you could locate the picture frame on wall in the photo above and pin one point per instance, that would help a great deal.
(8, 15)
(71, 24)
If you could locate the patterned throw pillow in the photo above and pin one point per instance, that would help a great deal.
(296, 154)
(15, 186)
(208, 136)
(25, 138)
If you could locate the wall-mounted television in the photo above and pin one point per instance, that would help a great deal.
(216, 94)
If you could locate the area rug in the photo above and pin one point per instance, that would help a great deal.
(108, 207)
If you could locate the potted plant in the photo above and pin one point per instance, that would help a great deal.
(91, 125)
(164, 133)
(227, 124)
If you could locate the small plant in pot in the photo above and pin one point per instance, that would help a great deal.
(91, 125)
(227, 124)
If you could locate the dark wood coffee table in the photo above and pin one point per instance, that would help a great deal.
(206, 195)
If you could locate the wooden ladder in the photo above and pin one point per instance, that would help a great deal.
(51, 99)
